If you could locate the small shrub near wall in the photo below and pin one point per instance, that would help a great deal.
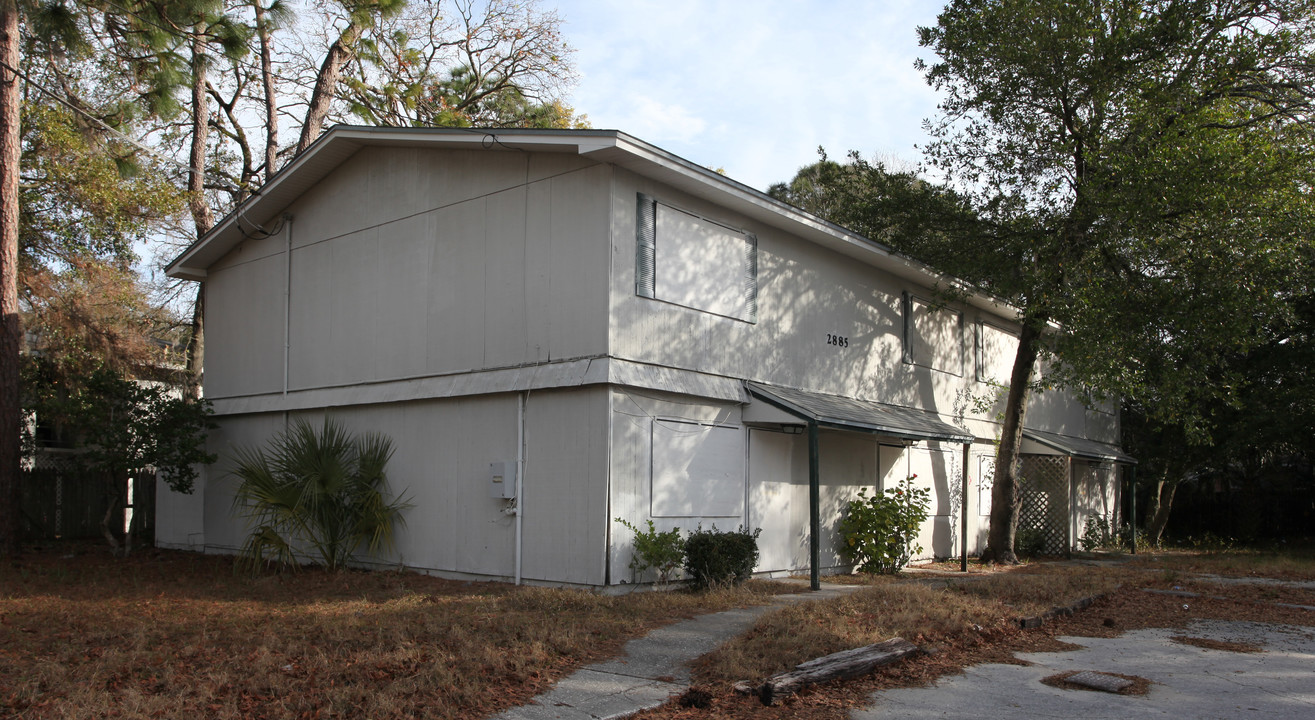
(878, 534)
(660, 551)
(714, 558)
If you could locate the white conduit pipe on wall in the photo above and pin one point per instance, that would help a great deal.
(287, 302)
(520, 476)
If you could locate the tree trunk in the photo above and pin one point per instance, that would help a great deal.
(107, 530)
(1161, 504)
(201, 215)
(196, 345)
(11, 327)
(267, 82)
(326, 81)
(1004, 490)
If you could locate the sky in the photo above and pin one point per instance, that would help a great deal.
(753, 88)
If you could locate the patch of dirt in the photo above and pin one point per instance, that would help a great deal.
(1139, 686)
(1210, 644)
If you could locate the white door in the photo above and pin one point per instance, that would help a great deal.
(771, 457)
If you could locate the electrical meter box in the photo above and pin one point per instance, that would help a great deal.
(502, 480)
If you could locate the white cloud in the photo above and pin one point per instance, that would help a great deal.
(657, 122)
(754, 87)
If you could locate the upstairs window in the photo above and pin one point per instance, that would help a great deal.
(933, 335)
(996, 349)
(695, 262)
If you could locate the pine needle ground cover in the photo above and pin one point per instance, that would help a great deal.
(172, 634)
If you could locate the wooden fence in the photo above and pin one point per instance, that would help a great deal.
(60, 499)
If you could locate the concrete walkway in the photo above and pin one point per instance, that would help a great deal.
(652, 668)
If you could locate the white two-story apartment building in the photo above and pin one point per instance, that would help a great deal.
(562, 328)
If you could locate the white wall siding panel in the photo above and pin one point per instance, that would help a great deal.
(397, 331)
(310, 321)
(254, 248)
(443, 449)
(455, 326)
(179, 518)
(354, 307)
(849, 461)
(772, 499)
(824, 322)
(565, 497)
(409, 264)
(504, 280)
(938, 470)
(378, 185)
(245, 342)
(579, 263)
(224, 529)
(442, 452)
(633, 414)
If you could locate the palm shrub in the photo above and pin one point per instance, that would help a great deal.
(879, 533)
(316, 491)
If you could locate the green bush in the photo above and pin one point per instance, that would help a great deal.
(878, 534)
(714, 558)
(1098, 535)
(320, 491)
(1030, 543)
(661, 551)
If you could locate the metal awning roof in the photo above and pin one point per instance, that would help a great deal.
(842, 412)
(1080, 448)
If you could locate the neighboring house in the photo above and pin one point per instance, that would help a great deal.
(642, 337)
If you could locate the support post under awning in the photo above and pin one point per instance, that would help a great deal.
(814, 506)
(963, 511)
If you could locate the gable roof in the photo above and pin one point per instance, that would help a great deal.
(606, 146)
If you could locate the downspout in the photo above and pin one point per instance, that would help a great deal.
(814, 507)
(963, 512)
(520, 478)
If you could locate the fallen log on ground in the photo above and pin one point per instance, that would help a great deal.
(843, 665)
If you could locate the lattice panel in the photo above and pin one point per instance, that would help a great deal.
(1043, 500)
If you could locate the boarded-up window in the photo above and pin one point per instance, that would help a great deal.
(695, 262)
(933, 336)
(996, 349)
(698, 470)
(985, 481)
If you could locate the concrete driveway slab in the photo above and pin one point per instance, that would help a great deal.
(1187, 681)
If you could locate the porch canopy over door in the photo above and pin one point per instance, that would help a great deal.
(1036, 442)
(788, 406)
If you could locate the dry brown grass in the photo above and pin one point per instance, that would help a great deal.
(1035, 589)
(926, 610)
(791, 635)
(168, 634)
(1293, 562)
